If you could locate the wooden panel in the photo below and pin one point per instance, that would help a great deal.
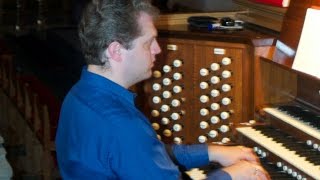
(260, 14)
(184, 53)
(293, 21)
(205, 56)
(309, 91)
(277, 84)
(196, 55)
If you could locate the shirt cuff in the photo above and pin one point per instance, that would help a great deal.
(218, 175)
(191, 156)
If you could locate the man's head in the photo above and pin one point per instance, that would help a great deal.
(107, 21)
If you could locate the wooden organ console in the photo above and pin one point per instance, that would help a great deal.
(201, 84)
(196, 90)
(287, 105)
(239, 87)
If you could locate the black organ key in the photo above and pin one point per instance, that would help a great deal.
(302, 114)
(274, 171)
(300, 148)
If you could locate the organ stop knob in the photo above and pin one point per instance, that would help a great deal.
(156, 87)
(177, 63)
(177, 89)
(202, 139)
(226, 61)
(166, 68)
(215, 66)
(214, 93)
(204, 72)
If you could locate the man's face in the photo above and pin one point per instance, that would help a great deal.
(138, 61)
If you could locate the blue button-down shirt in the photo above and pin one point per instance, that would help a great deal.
(102, 135)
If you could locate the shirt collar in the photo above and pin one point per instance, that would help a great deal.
(106, 85)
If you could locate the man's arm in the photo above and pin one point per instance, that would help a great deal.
(191, 156)
(237, 161)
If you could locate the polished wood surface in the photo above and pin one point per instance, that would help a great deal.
(276, 84)
(293, 21)
(195, 47)
(250, 35)
(196, 55)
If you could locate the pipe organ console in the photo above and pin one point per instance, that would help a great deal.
(221, 88)
(195, 94)
(287, 102)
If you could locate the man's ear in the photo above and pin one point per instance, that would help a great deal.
(114, 51)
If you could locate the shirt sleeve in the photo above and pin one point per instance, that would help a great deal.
(191, 156)
(218, 175)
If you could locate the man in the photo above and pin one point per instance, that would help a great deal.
(101, 134)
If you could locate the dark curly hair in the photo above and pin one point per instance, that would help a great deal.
(106, 21)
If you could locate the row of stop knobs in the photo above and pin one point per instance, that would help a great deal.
(201, 138)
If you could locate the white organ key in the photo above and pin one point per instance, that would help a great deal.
(294, 122)
(279, 150)
(196, 174)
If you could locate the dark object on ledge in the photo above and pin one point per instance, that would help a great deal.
(227, 21)
(201, 21)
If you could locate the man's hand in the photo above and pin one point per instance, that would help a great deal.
(239, 161)
(229, 155)
(245, 170)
